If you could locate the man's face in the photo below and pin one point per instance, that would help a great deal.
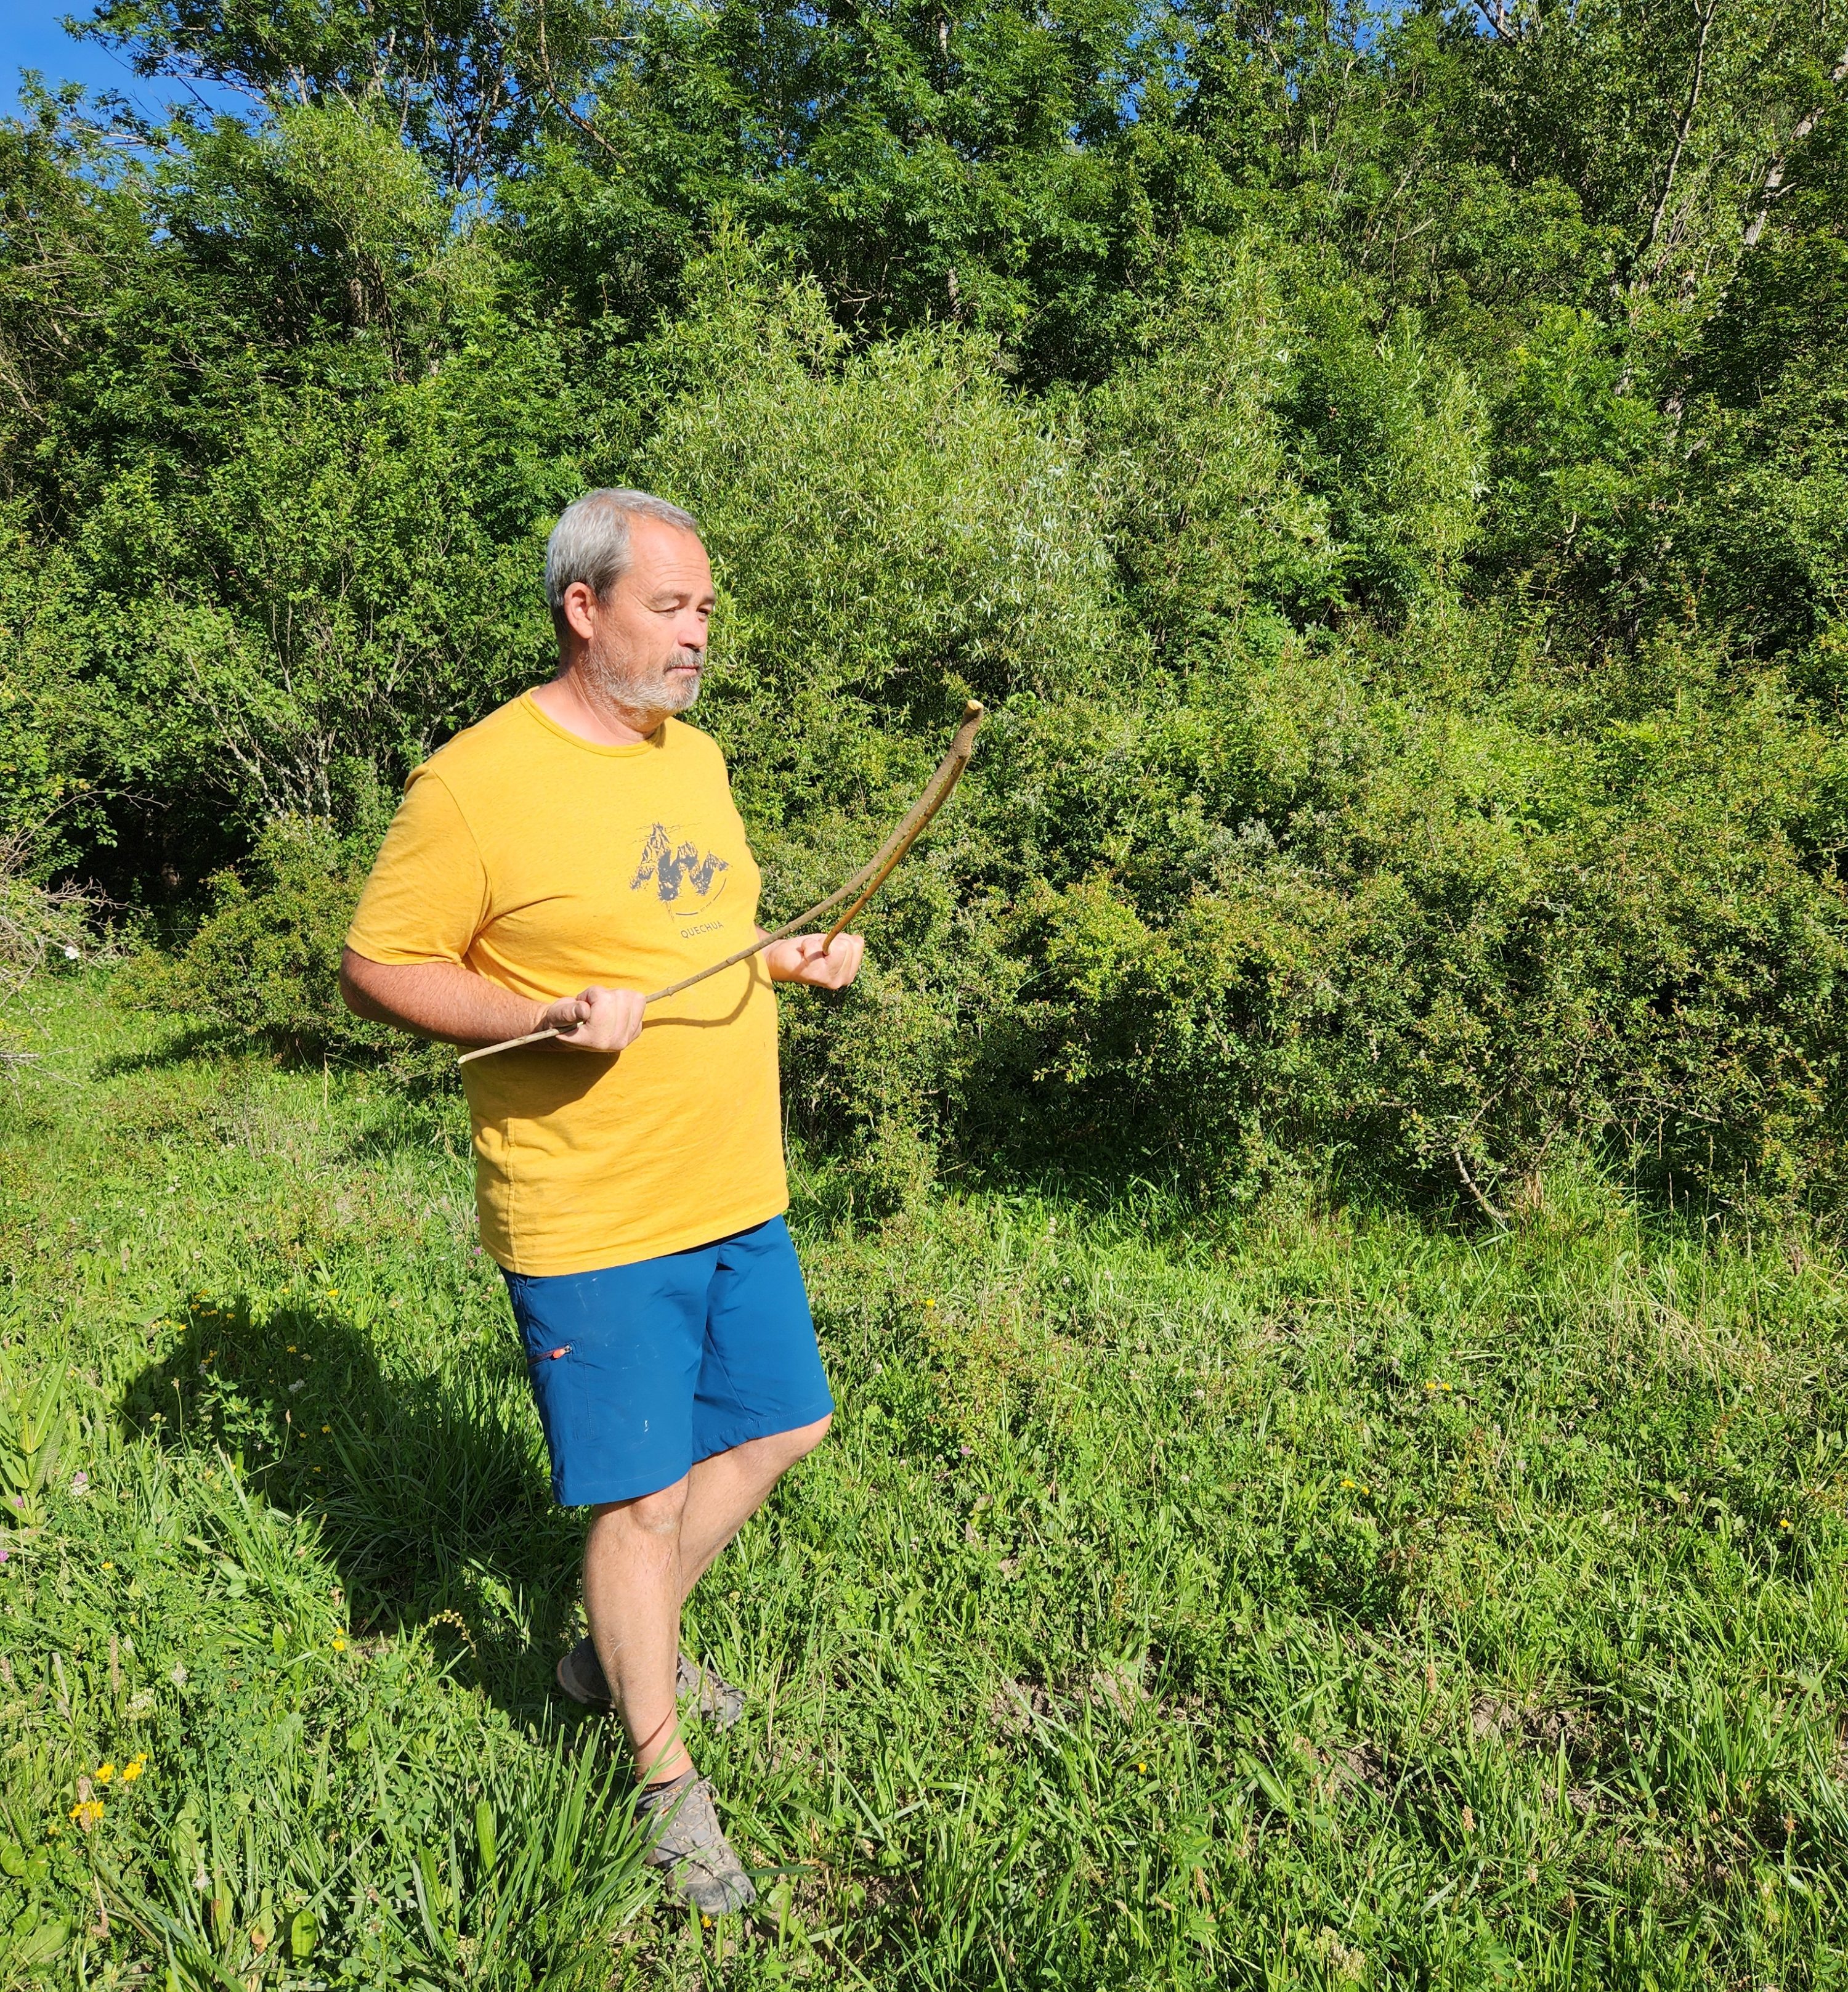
(646, 638)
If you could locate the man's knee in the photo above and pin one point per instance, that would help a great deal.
(656, 1514)
(777, 1451)
(799, 1443)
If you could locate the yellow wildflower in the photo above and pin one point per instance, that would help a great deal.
(134, 1768)
(87, 1812)
(339, 1644)
(104, 1772)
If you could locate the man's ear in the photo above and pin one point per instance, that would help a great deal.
(575, 611)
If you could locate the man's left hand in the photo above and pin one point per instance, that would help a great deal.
(800, 959)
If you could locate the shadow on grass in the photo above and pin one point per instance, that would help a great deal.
(190, 1045)
(431, 1494)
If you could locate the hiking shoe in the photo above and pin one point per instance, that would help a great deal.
(684, 1839)
(580, 1675)
(715, 1699)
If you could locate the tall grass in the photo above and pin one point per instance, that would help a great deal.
(1310, 1599)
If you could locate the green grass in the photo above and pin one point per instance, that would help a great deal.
(1307, 1600)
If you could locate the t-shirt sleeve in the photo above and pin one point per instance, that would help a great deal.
(428, 896)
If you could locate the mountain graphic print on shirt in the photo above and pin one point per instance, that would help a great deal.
(680, 871)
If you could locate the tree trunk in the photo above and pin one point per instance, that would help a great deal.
(1774, 187)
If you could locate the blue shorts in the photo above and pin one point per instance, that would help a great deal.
(640, 1370)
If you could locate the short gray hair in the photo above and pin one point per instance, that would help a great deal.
(590, 542)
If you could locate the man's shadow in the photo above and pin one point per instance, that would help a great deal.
(431, 1493)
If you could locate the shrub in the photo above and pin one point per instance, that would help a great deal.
(41, 922)
(1225, 888)
(1394, 438)
(265, 961)
(891, 527)
(1444, 948)
(1211, 520)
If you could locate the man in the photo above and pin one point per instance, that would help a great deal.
(577, 848)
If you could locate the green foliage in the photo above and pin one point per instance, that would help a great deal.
(1301, 1594)
(328, 212)
(264, 963)
(297, 610)
(303, 570)
(1446, 950)
(884, 522)
(264, 960)
(1212, 521)
(1766, 511)
(452, 78)
(33, 1433)
(1385, 475)
(1579, 477)
(1393, 435)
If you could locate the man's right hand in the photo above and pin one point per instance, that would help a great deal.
(443, 999)
(596, 1020)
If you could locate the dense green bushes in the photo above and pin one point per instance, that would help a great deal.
(1460, 947)
(1407, 570)
(1446, 948)
(263, 961)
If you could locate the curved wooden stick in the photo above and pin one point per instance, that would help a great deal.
(866, 882)
(936, 794)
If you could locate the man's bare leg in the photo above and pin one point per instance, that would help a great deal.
(643, 1558)
(631, 1592)
(632, 1597)
(724, 1492)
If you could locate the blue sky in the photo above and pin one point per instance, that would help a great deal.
(30, 38)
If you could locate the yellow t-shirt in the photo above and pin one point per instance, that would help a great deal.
(547, 863)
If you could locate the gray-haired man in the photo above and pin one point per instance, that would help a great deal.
(577, 848)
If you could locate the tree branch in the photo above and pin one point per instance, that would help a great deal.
(1682, 131)
(558, 102)
(1775, 187)
(1469, 1183)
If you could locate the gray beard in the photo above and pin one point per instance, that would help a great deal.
(635, 691)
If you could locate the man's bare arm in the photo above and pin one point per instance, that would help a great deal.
(442, 999)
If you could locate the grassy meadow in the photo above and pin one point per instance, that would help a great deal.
(1311, 1598)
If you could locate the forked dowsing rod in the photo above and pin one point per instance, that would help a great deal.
(866, 882)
